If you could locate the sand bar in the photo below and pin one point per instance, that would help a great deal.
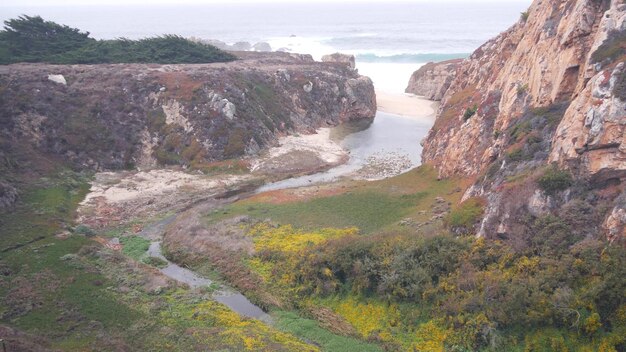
(407, 105)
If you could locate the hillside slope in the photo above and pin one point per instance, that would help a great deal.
(548, 90)
(135, 115)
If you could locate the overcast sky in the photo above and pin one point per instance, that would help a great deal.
(31, 3)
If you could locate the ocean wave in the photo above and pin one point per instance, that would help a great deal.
(408, 58)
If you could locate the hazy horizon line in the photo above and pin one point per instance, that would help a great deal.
(53, 3)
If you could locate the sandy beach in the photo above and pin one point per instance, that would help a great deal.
(407, 105)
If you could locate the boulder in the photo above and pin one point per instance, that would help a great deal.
(262, 46)
(241, 46)
(349, 60)
(60, 79)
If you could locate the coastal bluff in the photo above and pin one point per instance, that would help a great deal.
(433, 79)
(537, 109)
(119, 116)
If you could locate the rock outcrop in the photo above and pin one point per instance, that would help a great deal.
(133, 115)
(551, 89)
(8, 195)
(340, 58)
(433, 79)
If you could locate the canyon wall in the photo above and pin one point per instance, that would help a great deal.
(433, 79)
(139, 115)
(549, 90)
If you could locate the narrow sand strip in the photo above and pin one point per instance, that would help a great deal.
(407, 105)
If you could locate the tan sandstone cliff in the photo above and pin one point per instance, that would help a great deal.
(433, 79)
(548, 90)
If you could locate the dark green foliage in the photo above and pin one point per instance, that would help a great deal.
(84, 230)
(515, 155)
(524, 16)
(612, 49)
(551, 236)
(404, 271)
(469, 112)
(154, 261)
(165, 49)
(554, 180)
(31, 39)
(237, 141)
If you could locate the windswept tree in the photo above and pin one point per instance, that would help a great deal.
(31, 39)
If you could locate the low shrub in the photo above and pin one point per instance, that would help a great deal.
(515, 155)
(554, 180)
(469, 112)
(524, 16)
(155, 262)
(466, 215)
(84, 230)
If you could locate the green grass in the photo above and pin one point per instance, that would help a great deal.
(56, 288)
(135, 246)
(369, 210)
(310, 330)
(69, 291)
(467, 214)
(43, 211)
(370, 206)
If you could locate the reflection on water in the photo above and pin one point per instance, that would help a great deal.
(233, 300)
(390, 142)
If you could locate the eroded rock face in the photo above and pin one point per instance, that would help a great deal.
(592, 132)
(120, 116)
(615, 224)
(539, 62)
(532, 96)
(433, 79)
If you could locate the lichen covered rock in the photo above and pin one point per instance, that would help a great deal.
(129, 115)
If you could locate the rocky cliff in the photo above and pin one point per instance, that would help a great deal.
(136, 115)
(433, 79)
(548, 90)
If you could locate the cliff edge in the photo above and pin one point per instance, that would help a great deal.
(142, 115)
(433, 79)
(550, 90)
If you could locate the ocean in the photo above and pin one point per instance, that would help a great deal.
(389, 39)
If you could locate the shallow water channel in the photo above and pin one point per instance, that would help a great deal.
(385, 147)
(230, 298)
(390, 143)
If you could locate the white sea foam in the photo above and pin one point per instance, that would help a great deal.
(404, 34)
(389, 77)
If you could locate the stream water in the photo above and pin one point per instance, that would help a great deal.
(387, 146)
(230, 298)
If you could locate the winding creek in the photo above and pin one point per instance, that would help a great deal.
(389, 145)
